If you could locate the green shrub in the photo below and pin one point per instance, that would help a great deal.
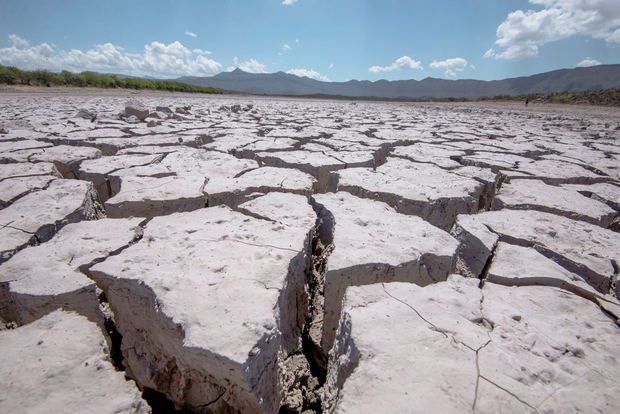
(9, 75)
(12, 76)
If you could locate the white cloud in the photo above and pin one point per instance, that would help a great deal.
(451, 66)
(157, 59)
(522, 33)
(614, 37)
(235, 60)
(289, 2)
(286, 48)
(252, 66)
(450, 74)
(516, 52)
(453, 63)
(587, 62)
(308, 73)
(203, 65)
(331, 66)
(297, 42)
(519, 52)
(201, 52)
(18, 41)
(175, 49)
(402, 63)
(191, 34)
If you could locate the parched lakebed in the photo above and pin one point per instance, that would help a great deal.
(165, 252)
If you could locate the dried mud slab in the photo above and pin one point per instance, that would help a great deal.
(608, 193)
(536, 195)
(60, 363)
(370, 243)
(101, 171)
(317, 163)
(439, 155)
(208, 164)
(198, 324)
(35, 217)
(579, 247)
(234, 191)
(149, 197)
(424, 190)
(66, 158)
(12, 189)
(20, 170)
(41, 279)
(402, 341)
(550, 350)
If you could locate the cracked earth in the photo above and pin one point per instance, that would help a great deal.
(165, 252)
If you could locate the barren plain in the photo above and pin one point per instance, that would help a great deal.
(250, 254)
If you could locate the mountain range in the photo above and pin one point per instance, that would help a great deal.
(280, 83)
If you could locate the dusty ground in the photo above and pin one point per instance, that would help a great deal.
(268, 254)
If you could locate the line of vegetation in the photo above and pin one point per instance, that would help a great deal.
(606, 97)
(10, 75)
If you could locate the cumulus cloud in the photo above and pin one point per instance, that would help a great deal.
(308, 73)
(191, 34)
(521, 34)
(451, 66)
(202, 65)
(587, 62)
(18, 41)
(174, 49)
(402, 63)
(452, 63)
(286, 48)
(157, 59)
(449, 73)
(514, 52)
(289, 2)
(252, 66)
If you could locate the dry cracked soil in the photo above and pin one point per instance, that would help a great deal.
(169, 252)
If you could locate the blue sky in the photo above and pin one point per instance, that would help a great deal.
(333, 40)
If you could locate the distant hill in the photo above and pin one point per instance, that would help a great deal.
(564, 80)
